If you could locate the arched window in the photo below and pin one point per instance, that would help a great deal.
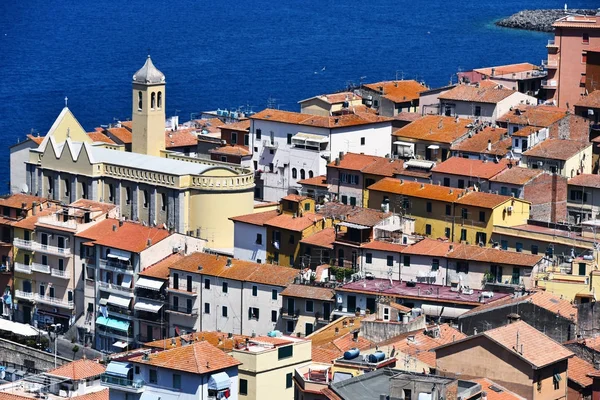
(140, 101)
(302, 174)
(294, 173)
(310, 174)
(159, 100)
(152, 100)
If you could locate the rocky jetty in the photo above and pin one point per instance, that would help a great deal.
(538, 20)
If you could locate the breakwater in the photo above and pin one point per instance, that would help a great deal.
(538, 20)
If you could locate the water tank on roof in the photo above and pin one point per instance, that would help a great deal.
(376, 357)
(351, 354)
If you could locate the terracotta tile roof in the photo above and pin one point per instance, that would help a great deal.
(309, 292)
(398, 91)
(324, 238)
(577, 21)
(36, 139)
(429, 247)
(20, 201)
(231, 150)
(97, 395)
(477, 94)
(92, 205)
(328, 333)
(407, 116)
(335, 98)
(494, 394)
(80, 369)
(291, 223)
(416, 189)
(592, 100)
(160, 270)
(219, 340)
(517, 175)
(127, 125)
(507, 69)
(257, 219)
(347, 342)
(540, 298)
(526, 131)
(400, 307)
(542, 116)
(384, 167)
(100, 137)
(419, 344)
(478, 143)
(586, 180)
(435, 128)
(346, 120)
(353, 162)
(578, 370)
(180, 138)
(240, 126)
(210, 125)
(367, 164)
(320, 181)
(366, 216)
(240, 270)
(383, 246)
(130, 236)
(470, 167)
(557, 149)
(122, 134)
(483, 200)
(195, 358)
(29, 222)
(296, 198)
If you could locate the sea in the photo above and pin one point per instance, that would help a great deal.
(236, 53)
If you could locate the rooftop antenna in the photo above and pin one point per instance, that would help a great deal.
(401, 74)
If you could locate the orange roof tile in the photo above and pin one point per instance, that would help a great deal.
(240, 126)
(578, 370)
(398, 91)
(231, 150)
(220, 340)
(258, 219)
(309, 292)
(507, 69)
(578, 21)
(477, 94)
(36, 139)
(122, 134)
(586, 180)
(130, 236)
(429, 247)
(383, 246)
(498, 392)
(21, 201)
(478, 143)
(542, 116)
(400, 307)
(435, 128)
(526, 131)
(296, 198)
(160, 270)
(29, 222)
(483, 200)
(353, 161)
(323, 238)
(324, 354)
(292, 223)
(320, 181)
(196, 358)
(517, 175)
(347, 342)
(339, 121)
(180, 138)
(469, 167)
(542, 299)
(592, 100)
(416, 189)
(80, 369)
(335, 98)
(367, 164)
(92, 205)
(97, 395)
(100, 137)
(240, 270)
(557, 149)
(384, 167)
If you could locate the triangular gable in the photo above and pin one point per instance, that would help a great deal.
(66, 125)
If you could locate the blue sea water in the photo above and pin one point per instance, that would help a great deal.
(235, 53)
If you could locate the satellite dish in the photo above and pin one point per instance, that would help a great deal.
(24, 188)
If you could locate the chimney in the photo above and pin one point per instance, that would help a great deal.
(114, 228)
(489, 147)
(34, 208)
(120, 222)
(228, 262)
(355, 336)
(493, 71)
(341, 155)
(149, 242)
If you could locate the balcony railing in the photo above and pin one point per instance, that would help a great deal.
(549, 84)
(119, 313)
(19, 294)
(290, 314)
(112, 288)
(270, 145)
(126, 385)
(116, 266)
(53, 301)
(42, 248)
(43, 268)
(549, 63)
(184, 291)
(150, 294)
(182, 310)
(58, 273)
(23, 268)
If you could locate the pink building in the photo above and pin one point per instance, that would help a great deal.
(567, 56)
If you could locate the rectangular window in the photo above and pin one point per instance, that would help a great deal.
(447, 182)
(233, 138)
(274, 294)
(504, 244)
(447, 232)
(188, 306)
(206, 283)
(70, 296)
(258, 133)
(428, 206)
(482, 216)
(254, 290)
(289, 138)
(585, 38)
(462, 266)
(428, 229)
(461, 183)
(406, 261)
(369, 258)
(253, 313)
(435, 264)
(390, 261)
(534, 249)
(289, 326)
(481, 238)
(463, 234)
(292, 239)
(477, 111)
(310, 306)
(285, 352)
(353, 201)
(206, 308)
(224, 311)
(362, 141)
(176, 381)
(153, 376)
(244, 385)
(51, 290)
(519, 247)
(246, 140)
(344, 199)
(259, 238)
(464, 213)
(448, 209)
(288, 380)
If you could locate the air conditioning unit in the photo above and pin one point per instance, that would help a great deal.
(590, 112)
(509, 209)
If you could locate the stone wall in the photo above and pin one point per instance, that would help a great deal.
(17, 355)
(378, 331)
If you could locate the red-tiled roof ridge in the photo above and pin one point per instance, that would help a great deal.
(79, 369)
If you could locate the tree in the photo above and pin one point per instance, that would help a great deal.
(75, 349)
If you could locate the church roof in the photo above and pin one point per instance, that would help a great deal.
(149, 74)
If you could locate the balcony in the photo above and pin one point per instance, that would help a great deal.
(23, 268)
(150, 294)
(192, 292)
(269, 144)
(119, 313)
(44, 269)
(57, 273)
(125, 385)
(549, 64)
(549, 84)
(53, 301)
(290, 314)
(42, 248)
(19, 294)
(552, 45)
(322, 319)
(116, 266)
(54, 220)
(192, 312)
(116, 289)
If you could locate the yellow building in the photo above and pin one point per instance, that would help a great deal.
(577, 281)
(189, 195)
(441, 212)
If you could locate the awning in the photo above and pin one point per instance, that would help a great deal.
(302, 138)
(144, 306)
(218, 381)
(153, 393)
(419, 164)
(17, 328)
(112, 323)
(149, 283)
(403, 144)
(103, 302)
(119, 301)
(119, 254)
(354, 226)
(433, 147)
(389, 228)
(126, 281)
(120, 344)
(117, 368)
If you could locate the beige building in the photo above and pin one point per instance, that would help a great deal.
(560, 156)
(330, 104)
(150, 185)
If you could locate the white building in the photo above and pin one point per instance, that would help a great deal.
(250, 236)
(289, 146)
